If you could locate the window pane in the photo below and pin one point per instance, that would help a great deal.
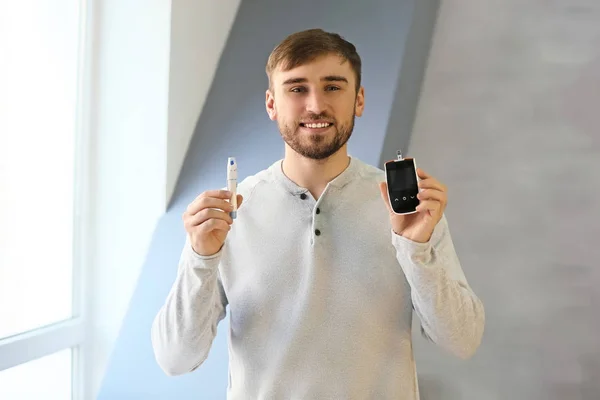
(45, 378)
(38, 97)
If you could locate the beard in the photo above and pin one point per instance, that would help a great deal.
(317, 146)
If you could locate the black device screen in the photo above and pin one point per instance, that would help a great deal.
(402, 185)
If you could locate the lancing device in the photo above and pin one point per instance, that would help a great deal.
(232, 184)
(402, 183)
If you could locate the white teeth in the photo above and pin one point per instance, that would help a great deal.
(315, 126)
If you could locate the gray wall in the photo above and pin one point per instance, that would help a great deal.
(509, 119)
(410, 79)
(234, 123)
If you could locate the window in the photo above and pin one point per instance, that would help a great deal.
(41, 323)
(45, 378)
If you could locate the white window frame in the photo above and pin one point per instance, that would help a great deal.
(71, 333)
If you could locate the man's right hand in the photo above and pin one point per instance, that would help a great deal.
(207, 220)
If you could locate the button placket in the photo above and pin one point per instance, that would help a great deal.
(316, 220)
(307, 199)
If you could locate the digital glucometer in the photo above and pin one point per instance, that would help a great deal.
(402, 184)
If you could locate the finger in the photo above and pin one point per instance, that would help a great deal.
(422, 174)
(213, 225)
(432, 183)
(384, 195)
(207, 214)
(210, 226)
(210, 199)
(429, 205)
(218, 194)
(240, 200)
(432, 194)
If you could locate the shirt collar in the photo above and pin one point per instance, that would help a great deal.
(339, 181)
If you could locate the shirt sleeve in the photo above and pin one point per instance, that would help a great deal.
(185, 327)
(451, 314)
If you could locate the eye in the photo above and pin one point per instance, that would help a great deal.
(332, 88)
(298, 89)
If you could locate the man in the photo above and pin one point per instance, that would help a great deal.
(320, 277)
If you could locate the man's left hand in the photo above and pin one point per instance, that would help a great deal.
(419, 226)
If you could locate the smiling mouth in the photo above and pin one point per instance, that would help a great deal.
(316, 125)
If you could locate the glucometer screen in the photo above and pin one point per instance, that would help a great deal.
(402, 178)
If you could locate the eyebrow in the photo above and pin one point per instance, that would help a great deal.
(328, 78)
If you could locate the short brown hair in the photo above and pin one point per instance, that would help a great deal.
(302, 47)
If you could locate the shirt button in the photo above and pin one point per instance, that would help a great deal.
(303, 196)
(318, 211)
(317, 232)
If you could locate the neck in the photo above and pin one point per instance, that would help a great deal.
(314, 175)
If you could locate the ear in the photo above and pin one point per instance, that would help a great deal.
(270, 105)
(359, 106)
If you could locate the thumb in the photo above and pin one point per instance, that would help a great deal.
(240, 200)
(384, 195)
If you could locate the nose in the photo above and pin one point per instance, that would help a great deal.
(315, 103)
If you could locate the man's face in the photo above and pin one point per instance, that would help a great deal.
(315, 105)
